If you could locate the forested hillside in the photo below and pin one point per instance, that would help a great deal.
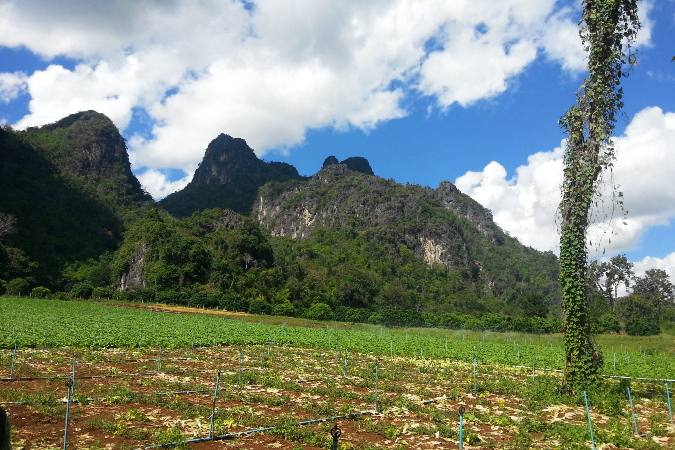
(343, 244)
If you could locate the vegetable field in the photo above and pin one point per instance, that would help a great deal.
(144, 378)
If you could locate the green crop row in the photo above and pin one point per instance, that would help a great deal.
(54, 323)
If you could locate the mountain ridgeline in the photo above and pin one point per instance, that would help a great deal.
(251, 235)
(228, 177)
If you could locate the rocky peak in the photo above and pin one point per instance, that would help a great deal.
(330, 161)
(355, 163)
(226, 159)
(87, 145)
(228, 177)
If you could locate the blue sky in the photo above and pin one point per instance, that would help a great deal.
(411, 122)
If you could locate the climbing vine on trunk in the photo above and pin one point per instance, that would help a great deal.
(608, 28)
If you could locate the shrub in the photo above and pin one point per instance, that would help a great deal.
(102, 293)
(609, 323)
(81, 290)
(259, 306)
(141, 295)
(319, 311)
(639, 315)
(348, 314)
(233, 301)
(639, 326)
(172, 297)
(197, 299)
(40, 292)
(283, 309)
(18, 286)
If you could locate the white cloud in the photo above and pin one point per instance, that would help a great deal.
(666, 263)
(526, 204)
(158, 184)
(270, 74)
(11, 85)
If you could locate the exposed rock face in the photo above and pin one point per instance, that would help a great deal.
(340, 197)
(474, 212)
(358, 164)
(228, 177)
(330, 161)
(355, 163)
(88, 146)
(134, 278)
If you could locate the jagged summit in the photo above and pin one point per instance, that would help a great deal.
(91, 117)
(355, 163)
(228, 177)
(88, 146)
(330, 161)
(224, 159)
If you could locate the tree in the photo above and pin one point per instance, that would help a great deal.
(639, 315)
(609, 275)
(655, 285)
(608, 28)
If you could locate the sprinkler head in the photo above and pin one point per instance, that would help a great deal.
(461, 410)
(336, 432)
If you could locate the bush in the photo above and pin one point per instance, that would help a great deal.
(233, 301)
(347, 314)
(198, 299)
(259, 306)
(639, 315)
(81, 290)
(172, 297)
(609, 323)
(319, 311)
(141, 295)
(18, 286)
(102, 293)
(283, 309)
(40, 292)
(639, 326)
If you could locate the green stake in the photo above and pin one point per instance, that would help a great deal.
(461, 427)
(533, 365)
(377, 392)
(632, 411)
(588, 416)
(213, 405)
(474, 370)
(65, 432)
(159, 360)
(72, 372)
(241, 361)
(11, 367)
(670, 408)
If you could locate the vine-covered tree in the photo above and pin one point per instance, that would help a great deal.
(608, 28)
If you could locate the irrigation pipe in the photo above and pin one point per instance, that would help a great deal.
(252, 431)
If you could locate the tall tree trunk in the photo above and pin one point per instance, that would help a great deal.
(608, 27)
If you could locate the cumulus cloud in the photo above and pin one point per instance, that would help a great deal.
(666, 263)
(11, 85)
(159, 185)
(526, 204)
(271, 72)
